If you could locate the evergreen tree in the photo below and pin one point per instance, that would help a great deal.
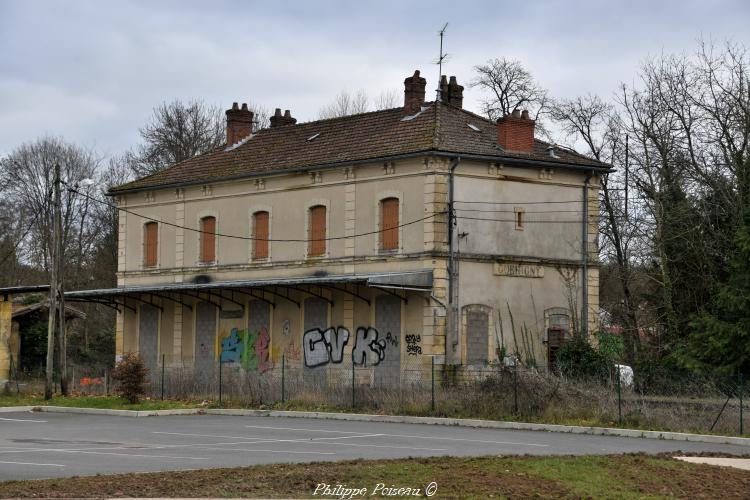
(720, 336)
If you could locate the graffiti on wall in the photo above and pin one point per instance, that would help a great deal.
(251, 350)
(322, 347)
(413, 347)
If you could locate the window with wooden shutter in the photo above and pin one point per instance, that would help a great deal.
(260, 235)
(317, 231)
(150, 243)
(389, 222)
(208, 239)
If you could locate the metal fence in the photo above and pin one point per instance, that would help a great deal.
(672, 401)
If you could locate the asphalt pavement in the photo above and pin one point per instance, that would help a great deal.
(40, 445)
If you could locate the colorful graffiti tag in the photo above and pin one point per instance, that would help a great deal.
(250, 350)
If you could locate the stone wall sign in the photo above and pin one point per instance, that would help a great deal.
(519, 270)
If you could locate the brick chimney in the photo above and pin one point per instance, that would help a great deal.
(515, 132)
(239, 123)
(279, 120)
(451, 92)
(414, 93)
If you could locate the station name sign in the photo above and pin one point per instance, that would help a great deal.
(519, 270)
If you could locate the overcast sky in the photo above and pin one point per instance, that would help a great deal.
(91, 71)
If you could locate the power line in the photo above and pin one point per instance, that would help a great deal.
(517, 202)
(524, 221)
(513, 211)
(251, 238)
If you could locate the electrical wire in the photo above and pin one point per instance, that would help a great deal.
(251, 238)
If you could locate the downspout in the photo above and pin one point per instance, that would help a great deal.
(584, 257)
(452, 275)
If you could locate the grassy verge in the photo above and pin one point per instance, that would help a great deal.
(109, 402)
(116, 403)
(623, 476)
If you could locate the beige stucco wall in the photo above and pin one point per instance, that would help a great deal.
(351, 195)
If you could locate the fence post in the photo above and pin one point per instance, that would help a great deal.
(740, 391)
(283, 363)
(619, 397)
(220, 367)
(353, 401)
(106, 381)
(433, 383)
(162, 376)
(515, 386)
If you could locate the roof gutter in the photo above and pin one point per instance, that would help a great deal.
(432, 152)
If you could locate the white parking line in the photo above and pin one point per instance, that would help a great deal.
(133, 455)
(31, 463)
(292, 429)
(302, 441)
(24, 420)
(407, 436)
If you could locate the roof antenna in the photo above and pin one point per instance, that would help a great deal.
(441, 59)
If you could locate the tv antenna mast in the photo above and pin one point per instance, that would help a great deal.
(440, 60)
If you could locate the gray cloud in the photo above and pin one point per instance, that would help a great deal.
(92, 71)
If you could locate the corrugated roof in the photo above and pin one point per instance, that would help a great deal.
(439, 128)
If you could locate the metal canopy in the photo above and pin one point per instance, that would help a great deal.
(407, 280)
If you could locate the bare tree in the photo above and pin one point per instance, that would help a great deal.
(387, 99)
(345, 104)
(29, 169)
(177, 131)
(593, 122)
(509, 86)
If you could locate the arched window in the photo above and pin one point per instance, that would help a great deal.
(260, 235)
(150, 244)
(317, 231)
(389, 222)
(208, 239)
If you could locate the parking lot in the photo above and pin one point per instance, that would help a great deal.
(40, 445)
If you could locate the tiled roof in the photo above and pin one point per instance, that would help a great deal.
(367, 136)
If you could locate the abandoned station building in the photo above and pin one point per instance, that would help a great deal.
(330, 242)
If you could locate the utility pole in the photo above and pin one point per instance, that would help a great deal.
(60, 253)
(53, 288)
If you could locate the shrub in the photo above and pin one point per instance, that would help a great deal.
(578, 359)
(129, 376)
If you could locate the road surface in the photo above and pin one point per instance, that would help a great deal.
(41, 445)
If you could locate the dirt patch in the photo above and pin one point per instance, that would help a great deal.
(480, 477)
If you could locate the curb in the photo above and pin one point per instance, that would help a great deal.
(363, 417)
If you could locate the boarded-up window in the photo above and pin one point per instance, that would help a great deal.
(260, 235)
(389, 224)
(208, 239)
(317, 236)
(150, 243)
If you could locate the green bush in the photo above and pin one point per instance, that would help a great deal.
(577, 358)
(129, 376)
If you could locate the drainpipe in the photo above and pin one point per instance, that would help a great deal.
(584, 257)
(452, 274)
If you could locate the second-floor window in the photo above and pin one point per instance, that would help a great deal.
(208, 240)
(260, 235)
(317, 231)
(150, 244)
(389, 221)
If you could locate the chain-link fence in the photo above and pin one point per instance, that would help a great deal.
(671, 401)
